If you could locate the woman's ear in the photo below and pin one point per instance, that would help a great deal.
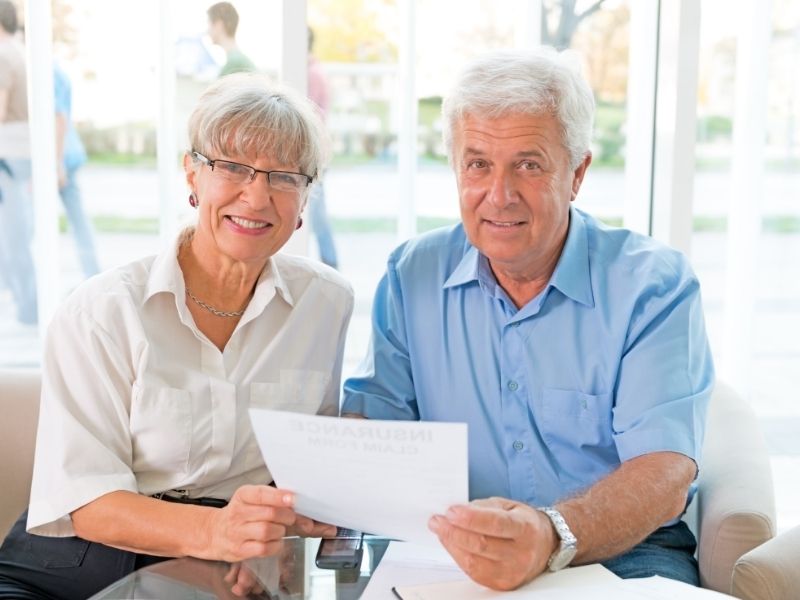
(189, 169)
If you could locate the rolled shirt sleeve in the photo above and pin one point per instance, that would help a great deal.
(83, 448)
(666, 373)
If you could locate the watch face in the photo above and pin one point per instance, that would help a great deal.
(561, 558)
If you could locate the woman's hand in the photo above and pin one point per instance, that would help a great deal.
(243, 581)
(305, 527)
(251, 525)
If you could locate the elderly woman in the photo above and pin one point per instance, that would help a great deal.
(145, 447)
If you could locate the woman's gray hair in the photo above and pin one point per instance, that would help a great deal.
(534, 82)
(246, 115)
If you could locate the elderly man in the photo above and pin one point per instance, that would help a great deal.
(576, 352)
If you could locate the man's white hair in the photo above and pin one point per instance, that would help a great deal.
(530, 82)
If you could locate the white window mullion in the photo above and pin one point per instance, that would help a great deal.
(676, 118)
(41, 119)
(294, 73)
(407, 126)
(746, 191)
(641, 115)
(166, 146)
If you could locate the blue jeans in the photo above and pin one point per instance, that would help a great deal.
(80, 225)
(668, 552)
(16, 233)
(320, 225)
(34, 567)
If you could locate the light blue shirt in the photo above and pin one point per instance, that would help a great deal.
(74, 152)
(609, 362)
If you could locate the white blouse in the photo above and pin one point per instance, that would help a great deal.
(135, 397)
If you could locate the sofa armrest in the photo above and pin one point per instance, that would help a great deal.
(19, 407)
(736, 503)
(771, 571)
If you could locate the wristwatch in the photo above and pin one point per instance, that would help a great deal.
(568, 545)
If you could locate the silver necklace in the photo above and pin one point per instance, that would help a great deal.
(212, 310)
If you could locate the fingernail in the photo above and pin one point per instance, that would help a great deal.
(288, 499)
(451, 513)
(433, 524)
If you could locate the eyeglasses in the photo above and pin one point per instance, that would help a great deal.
(285, 181)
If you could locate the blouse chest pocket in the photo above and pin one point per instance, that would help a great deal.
(299, 390)
(572, 422)
(161, 428)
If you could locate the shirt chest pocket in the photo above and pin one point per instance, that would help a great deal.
(161, 428)
(573, 422)
(299, 390)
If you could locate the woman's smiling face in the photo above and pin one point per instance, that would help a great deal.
(246, 222)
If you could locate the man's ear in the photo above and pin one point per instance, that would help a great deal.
(579, 173)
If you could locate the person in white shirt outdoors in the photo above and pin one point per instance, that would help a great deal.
(144, 447)
(575, 352)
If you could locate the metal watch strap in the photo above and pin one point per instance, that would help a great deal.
(568, 543)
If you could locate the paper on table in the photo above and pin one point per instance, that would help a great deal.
(592, 580)
(661, 588)
(410, 564)
(383, 477)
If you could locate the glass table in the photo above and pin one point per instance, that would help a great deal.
(291, 574)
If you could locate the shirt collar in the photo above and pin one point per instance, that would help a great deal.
(571, 276)
(166, 276)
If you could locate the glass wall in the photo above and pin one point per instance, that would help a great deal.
(752, 304)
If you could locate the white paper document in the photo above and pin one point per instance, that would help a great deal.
(382, 477)
(417, 574)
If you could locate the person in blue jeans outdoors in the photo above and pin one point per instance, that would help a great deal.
(71, 157)
(575, 352)
(16, 210)
(319, 93)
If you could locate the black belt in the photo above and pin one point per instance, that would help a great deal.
(213, 502)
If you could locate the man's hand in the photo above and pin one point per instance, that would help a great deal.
(499, 543)
(253, 524)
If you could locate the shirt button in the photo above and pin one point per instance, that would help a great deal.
(518, 446)
(513, 386)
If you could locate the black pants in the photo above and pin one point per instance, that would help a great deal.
(34, 567)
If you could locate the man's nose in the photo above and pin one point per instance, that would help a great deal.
(501, 189)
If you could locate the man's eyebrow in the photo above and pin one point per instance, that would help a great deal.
(526, 153)
(469, 151)
(473, 151)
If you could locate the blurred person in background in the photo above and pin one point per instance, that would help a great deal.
(319, 92)
(71, 155)
(16, 208)
(223, 20)
(144, 447)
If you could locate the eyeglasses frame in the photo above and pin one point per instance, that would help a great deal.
(254, 172)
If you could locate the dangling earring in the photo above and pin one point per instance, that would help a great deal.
(193, 201)
(299, 223)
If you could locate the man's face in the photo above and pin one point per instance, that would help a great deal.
(216, 31)
(515, 185)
